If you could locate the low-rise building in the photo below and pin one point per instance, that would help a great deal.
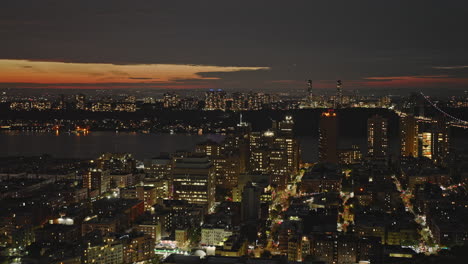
(214, 235)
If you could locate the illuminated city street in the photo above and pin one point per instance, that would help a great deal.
(427, 244)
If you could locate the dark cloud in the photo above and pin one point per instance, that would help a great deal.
(299, 40)
(141, 78)
(451, 67)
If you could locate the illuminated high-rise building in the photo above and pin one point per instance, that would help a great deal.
(130, 99)
(259, 151)
(97, 179)
(441, 140)
(254, 101)
(435, 141)
(226, 163)
(339, 94)
(149, 100)
(194, 180)
(80, 102)
(125, 107)
(238, 101)
(101, 107)
(237, 143)
(278, 167)
(215, 100)
(189, 103)
(377, 136)
(409, 136)
(20, 106)
(286, 141)
(328, 137)
(426, 140)
(227, 169)
(3, 97)
(171, 100)
(41, 105)
(159, 167)
(309, 93)
(275, 152)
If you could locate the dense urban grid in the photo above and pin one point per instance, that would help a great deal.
(249, 198)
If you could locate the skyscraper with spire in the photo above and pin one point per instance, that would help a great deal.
(339, 94)
(309, 93)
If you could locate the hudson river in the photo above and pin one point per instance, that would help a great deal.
(141, 146)
(64, 145)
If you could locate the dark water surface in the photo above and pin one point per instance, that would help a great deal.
(64, 145)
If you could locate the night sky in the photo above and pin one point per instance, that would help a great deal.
(243, 45)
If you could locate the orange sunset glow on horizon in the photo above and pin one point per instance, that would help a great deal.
(50, 72)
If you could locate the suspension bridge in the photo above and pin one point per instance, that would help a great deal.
(453, 121)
